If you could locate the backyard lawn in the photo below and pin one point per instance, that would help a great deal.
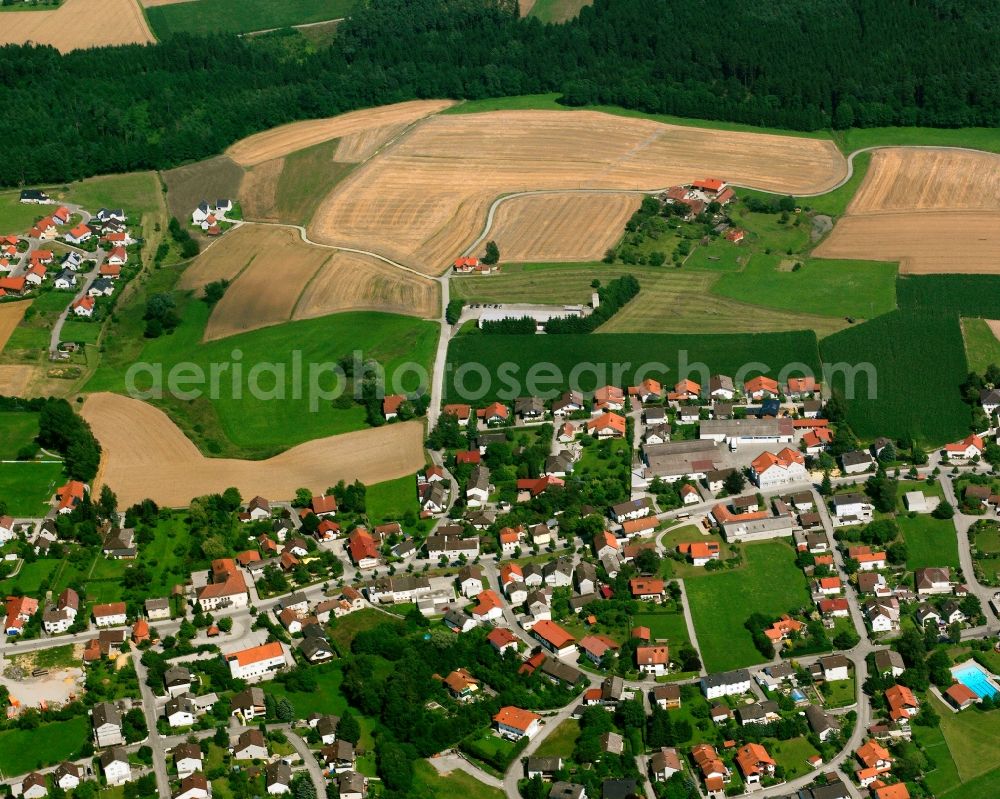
(24, 750)
(841, 693)
(17, 429)
(792, 755)
(769, 582)
(27, 487)
(929, 541)
(457, 785)
(343, 630)
(689, 533)
(560, 741)
(325, 699)
(669, 627)
(391, 499)
(30, 578)
(973, 739)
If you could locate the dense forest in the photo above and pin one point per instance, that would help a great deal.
(802, 64)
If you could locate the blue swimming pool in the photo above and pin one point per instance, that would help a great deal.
(797, 695)
(973, 677)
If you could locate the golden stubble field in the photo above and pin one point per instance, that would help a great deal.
(11, 314)
(933, 210)
(561, 227)
(78, 24)
(287, 139)
(424, 198)
(277, 277)
(146, 455)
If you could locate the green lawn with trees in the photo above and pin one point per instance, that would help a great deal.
(768, 583)
(238, 424)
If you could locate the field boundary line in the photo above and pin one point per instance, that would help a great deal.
(305, 237)
(308, 283)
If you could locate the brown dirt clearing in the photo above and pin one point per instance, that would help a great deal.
(288, 138)
(78, 24)
(146, 455)
(453, 167)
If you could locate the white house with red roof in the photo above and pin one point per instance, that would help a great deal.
(111, 614)
(769, 470)
(761, 388)
(257, 662)
(502, 640)
(362, 549)
(78, 234)
(19, 609)
(966, 449)
(84, 307)
(554, 638)
(607, 425)
(118, 256)
(515, 723)
(469, 264)
(70, 495)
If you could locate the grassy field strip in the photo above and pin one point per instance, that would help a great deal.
(982, 347)
(242, 16)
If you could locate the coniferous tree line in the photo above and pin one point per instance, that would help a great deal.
(804, 65)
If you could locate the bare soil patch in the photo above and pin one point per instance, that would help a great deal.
(78, 24)
(424, 198)
(146, 455)
(11, 314)
(288, 138)
(15, 379)
(994, 326)
(902, 179)
(354, 282)
(259, 190)
(924, 242)
(208, 180)
(561, 227)
(278, 267)
(230, 255)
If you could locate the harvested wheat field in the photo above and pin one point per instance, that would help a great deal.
(278, 266)
(288, 138)
(357, 147)
(424, 199)
(146, 455)
(231, 254)
(15, 379)
(561, 227)
(354, 282)
(11, 314)
(924, 242)
(904, 179)
(78, 24)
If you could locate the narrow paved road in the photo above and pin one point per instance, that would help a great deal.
(155, 740)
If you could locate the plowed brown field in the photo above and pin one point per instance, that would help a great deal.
(561, 227)
(919, 180)
(78, 24)
(424, 198)
(298, 135)
(146, 455)
(273, 265)
(11, 314)
(353, 282)
(924, 242)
